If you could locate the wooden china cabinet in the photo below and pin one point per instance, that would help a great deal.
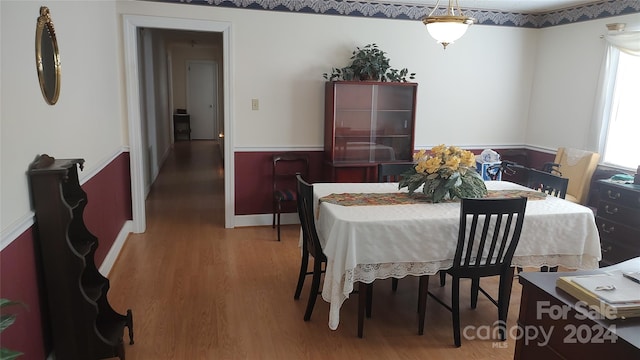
(367, 123)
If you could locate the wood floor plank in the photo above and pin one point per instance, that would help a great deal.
(200, 291)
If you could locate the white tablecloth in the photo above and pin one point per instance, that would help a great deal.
(364, 243)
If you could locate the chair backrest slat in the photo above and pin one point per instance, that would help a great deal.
(506, 235)
(488, 235)
(495, 241)
(548, 183)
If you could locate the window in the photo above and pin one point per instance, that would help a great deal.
(622, 141)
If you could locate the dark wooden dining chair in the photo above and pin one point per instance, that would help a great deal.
(311, 246)
(285, 168)
(548, 183)
(487, 238)
(551, 184)
(392, 172)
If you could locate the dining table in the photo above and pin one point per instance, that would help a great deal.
(372, 231)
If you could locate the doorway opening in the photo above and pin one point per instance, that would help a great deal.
(133, 65)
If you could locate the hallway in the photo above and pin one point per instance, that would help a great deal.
(200, 291)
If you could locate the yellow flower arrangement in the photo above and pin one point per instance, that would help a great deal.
(444, 172)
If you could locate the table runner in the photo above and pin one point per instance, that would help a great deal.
(400, 198)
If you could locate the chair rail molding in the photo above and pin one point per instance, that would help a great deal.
(18, 227)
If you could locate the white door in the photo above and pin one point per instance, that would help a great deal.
(202, 99)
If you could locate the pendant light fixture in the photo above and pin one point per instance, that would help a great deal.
(449, 27)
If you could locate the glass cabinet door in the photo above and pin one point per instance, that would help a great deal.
(393, 124)
(353, 117)
(372, 122)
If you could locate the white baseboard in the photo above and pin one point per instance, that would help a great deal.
(265, 219)
(113, 253)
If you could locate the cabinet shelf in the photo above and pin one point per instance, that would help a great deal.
(367, 123)
(94, 291)
(79, 237)
(111, 329)
(74, 202)
(82, 247)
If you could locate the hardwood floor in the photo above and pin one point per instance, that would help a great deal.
(200, 291)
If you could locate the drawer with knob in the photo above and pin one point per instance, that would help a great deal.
(617, 242)
(614, 231)
(614, 252)
(620, 194)
(619, 213)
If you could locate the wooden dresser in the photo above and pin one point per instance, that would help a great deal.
(618, 220)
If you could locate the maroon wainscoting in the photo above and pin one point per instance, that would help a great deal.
(109, 206)
(253, 174)
(538, 158)
(19, 282)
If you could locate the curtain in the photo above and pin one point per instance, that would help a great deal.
(628, 42)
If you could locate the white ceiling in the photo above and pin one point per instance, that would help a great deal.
(518, 6)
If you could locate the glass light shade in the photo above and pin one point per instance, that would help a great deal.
(449, 27)
(446, 33)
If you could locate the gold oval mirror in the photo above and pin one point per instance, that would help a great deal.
(47, 57)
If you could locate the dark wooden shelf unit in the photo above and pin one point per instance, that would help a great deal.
(367, 123)
(181, 127)
(83, 324)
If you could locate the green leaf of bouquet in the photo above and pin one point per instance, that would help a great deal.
(452, 181)
(413, 187)
(7, 302)
(431, 186)
(6, 321)
(473, 186)
(6, 354)
(439, 193)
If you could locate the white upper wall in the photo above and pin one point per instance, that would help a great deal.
(479, 92)
(564, 87)
(86, 122)
(475, 93)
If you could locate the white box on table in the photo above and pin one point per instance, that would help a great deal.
(483, 170)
